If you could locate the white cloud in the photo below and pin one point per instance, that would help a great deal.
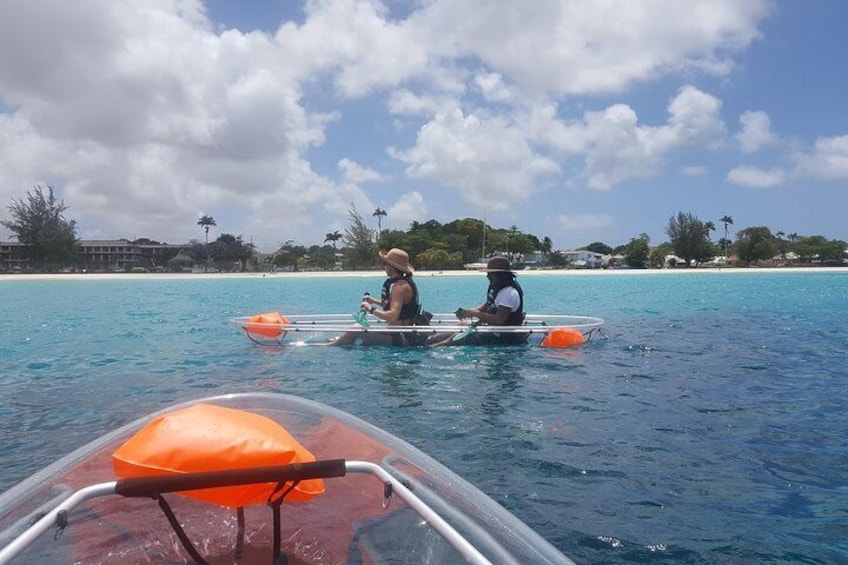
(357, 174)
(144, 112)
(589, 47)
(487, 160)
(755, 177)
(582, 223)
(756, 131)
(828, 160)
(694, 171)
(618, 148)
(493, 87)
(408, 208)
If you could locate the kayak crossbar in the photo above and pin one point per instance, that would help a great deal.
(160, 484)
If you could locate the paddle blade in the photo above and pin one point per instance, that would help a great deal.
(464, 333)
(359, 318)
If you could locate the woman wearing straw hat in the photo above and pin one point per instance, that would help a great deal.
(504, 306)
(398, 304)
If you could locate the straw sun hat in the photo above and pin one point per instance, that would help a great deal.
(397, 258)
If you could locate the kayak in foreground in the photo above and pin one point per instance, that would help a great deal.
(273, 328)
(339, 490)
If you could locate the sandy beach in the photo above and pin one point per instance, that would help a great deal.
(420, 274)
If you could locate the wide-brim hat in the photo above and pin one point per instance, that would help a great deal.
(497, 265)
(397, 258)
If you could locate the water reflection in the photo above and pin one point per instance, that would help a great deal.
(401, 378)
(503, 378)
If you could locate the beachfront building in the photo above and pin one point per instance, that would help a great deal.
(104, 255)
(582, 259)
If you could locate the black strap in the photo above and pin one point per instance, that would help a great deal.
(275, 504)
(240, 534)
(166, 508)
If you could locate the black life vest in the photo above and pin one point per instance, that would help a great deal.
(516, 317)
(409, 311)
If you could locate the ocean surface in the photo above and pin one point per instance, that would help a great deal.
(710, 426)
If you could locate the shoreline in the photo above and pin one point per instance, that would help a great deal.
(419, 274)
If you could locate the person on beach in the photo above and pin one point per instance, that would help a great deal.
(504, 306)
(398, 305)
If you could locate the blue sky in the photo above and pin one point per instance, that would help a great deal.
(580, 121)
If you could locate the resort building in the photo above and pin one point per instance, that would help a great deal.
(104, 255)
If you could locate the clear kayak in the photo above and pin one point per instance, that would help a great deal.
(358, 495)
(273, 328)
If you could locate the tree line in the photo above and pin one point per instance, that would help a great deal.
(48, 239)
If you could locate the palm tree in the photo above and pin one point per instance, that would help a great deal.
(379, 213)
(726, 220)
(781, 244)
(333, 237)
(206, 222)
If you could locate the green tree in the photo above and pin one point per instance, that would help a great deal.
(206, 222)
(361, 249)
(333, 237)
(379, 213)
(637, 251)
(599, 247)
(816, 248)
(690, 238)
(228, 251)
(438, 259)
(755, 244)
(40, 226)
(470, 230)
(726, 220)
(658, 255)
(288, 254)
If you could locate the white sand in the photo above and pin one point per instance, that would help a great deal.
(419, 274)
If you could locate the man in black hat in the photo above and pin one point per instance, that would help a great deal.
(504, 306)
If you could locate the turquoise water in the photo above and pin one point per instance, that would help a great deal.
(709, 427)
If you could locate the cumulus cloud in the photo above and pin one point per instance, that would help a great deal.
(487, 160)
(619, 148)
(583, 48)
(827, 160)
(357, 174)
(408, 208)
(755, 177)
(756, 131)
(144, 112)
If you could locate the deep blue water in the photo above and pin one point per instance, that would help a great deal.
(710, 427)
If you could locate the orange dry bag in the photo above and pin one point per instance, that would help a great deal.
(267, 325)
(204, 437)
(563, 337)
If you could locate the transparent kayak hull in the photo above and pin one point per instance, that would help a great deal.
(318, 329)
(434, 516)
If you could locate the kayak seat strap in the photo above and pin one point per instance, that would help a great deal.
(275, 501)
(240, 534)
(175, 524)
